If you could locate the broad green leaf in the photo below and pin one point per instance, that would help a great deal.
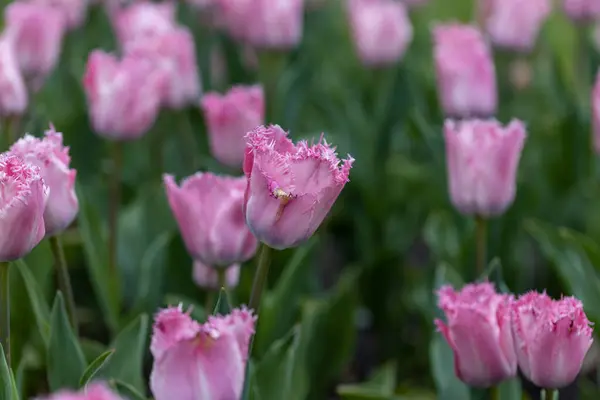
(223, 306)
(151, 272)
(38, 303)
(91, 349)
(127, 390)
(126, 364)
(65, 359)
(380, 386)
(449, 387)
(509, 390)
(8, 390)
(273, 374)
(94, 367)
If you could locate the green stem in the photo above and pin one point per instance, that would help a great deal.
(549, 394)
(222, 278)
(113, 207)
(10, 126)
(64, 281)
(271, 65)
(260, 278)
(5, 309)
(190, 143)
(481, 243)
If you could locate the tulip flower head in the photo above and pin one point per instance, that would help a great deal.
(73, 11)
(581, 10)
(92, 391)
(208, 277)
(200, 361)
(144, 20)
(13, 96)
(291, 187)
(552, 338)
(478, 329)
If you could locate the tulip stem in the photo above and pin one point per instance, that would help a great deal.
(271, 66)
(549, 394)
(260, 278)
(481, 242)
(222, 278)
(5, 309)
(114, 202)
(64, 281)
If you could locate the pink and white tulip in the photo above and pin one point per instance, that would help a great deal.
(582, 10)
(92, 391)
(482, 159)
(208, 277)
(13, 96)
(145, 20)
(208, 210)
(552, 338)
(466, 76)
(291, 187)
(229, 117)
(478, 329)
(53, 159)
(200, 361)
(73, 11)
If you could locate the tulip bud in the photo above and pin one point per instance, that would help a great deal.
(53, 159)
(123, 96)
(482, 158)
(92, 391)
(582, 10)
(291, 188)
(208, 277)
(466, 75)
(37, 31)
(143, 20)
(13, 98)
(552, 338)
(514, 24)
(229, 117)
(381, 30)
(208, 209)
(478, 330)
(200, 361)
(21, 207)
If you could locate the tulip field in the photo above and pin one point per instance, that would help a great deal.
(300, 200)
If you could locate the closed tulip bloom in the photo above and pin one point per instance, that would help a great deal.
(123, 95)
(478, 329)
(381, 30)
(229, 117)
(143, 20)
(53, 159)
(208, 209)
(207, 277)
(195, 361)
(582, 10)
(514, 24)
(291, 187)
(596, 113)
(13, 96)
(92, 391)
(37, 31)
(466, 76)
(22, 205)
(482, 158)
(174, 54)
(551, 338)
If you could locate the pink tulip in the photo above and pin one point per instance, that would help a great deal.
(143, 21)
(291, 188)
(200, 361)
(73, 11)
(207, 277)
(482, 158)
(208, 209)
(21, 207)
(514, 24)
(381, 29)
(174, 54)
(478, 330)
(123, 96)
(582, 10)
(53, 159)
(93, 391)
(13, 93)
(229, 117)
(465, 71)
(551, 338)
(37, 31)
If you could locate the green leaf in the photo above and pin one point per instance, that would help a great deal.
(94, 367)
(129, 346)
(493, 273)
(273, 375)
(38, 303)
(65, 359)
(127, 390)
(223, 306)
(8, 390)
(151, 272)
(380, 386)
(94, 245)
(509, 390)
(449, 387)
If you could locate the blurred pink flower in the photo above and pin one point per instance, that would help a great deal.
(92, 391)
(551, 338)
(381, 30)
(596, 113)
(53, 159)
(143, 20)
(582, 10)
(207, 277)
(24, 197)
(37, 31)
(174, 54)
(291, 188)
(123, 96)
(478, 330)
(229, 117)
(514, 24)
(482, 158)
(13, 93)
(73, 11)
(200, 361)
(465, 71)
(208, 209)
